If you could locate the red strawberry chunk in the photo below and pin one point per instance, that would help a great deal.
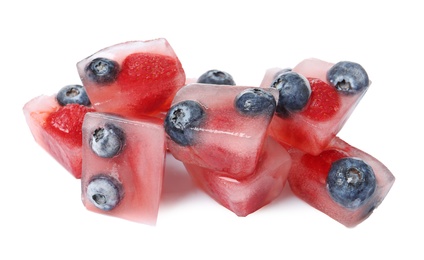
(146, 68)
(324, 102)
(66, 123)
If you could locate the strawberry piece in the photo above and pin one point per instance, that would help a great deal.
(140, 69)
(66, 123)
(324, 102)
(322, 162)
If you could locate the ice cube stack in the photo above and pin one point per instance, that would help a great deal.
(240, 144)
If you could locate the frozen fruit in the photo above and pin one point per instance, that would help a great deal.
(350, 182)
(312, 127)
(218, 77)
(255, 101)
(294, 92)
(325, 101)
(207, 127)
(57, 129)
(243, 196)
(181, 120)
(66, 122)
(107, 141)
(239, 144)
(122, 175)
(102, 71)
(104, 191)
(73, 94)
(133, 78)
(348, 77)
(342, 181)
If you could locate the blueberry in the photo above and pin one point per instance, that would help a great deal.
(350, 182)
(348, 77)
(217, 77)
(255, 101)
(107, 141)
(294, 92)
(102, 70)
(72, 94)
(104, 191)
(181, 119)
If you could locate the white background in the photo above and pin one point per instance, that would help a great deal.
(41, 212)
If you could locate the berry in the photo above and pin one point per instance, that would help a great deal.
(322, 163)
(217, 77)
(181, 119)
(348, 77)
(102, 71)
(351, 182)
(107, 141)
(104, 191)
(72, 94)
(66, 123)
(294, 92)
(147, 69)
(324, 101)
(254, 102)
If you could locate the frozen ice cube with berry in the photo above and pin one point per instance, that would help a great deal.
(123, 166)
(133, 78)
(316, 98)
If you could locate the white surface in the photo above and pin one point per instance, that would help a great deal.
(42, 214)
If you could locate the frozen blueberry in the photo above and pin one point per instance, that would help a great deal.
(72, 94)
(107, 141)
(217, 77)
(102, 70)
(351, 182)
(348, 77)
(104, 191)
(181, 120)
(294, 92)
(254, 102)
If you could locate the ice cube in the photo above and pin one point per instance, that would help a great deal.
(123, 166)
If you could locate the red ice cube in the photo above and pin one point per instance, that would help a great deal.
(309, 180)
(123, 166)
(225, 140)
(132, 78)
(327, 110)
(57, 129)
(247, 194)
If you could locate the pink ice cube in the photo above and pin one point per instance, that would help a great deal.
(246, 195)
(205, 127)
(360, 185)
(57, 129)
(132, 78)
(123, 166)
(312, 128)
